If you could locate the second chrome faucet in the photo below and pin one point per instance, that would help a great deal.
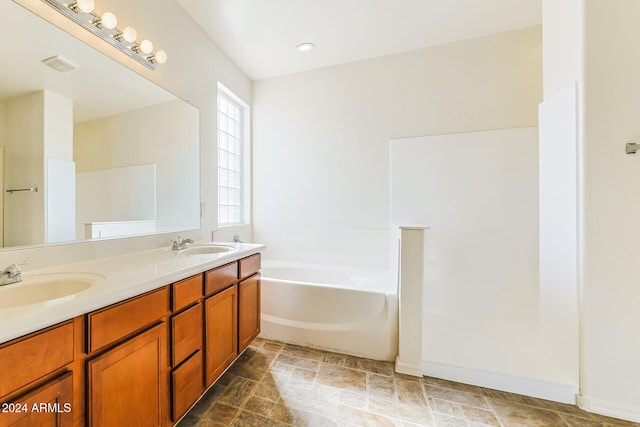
(178, 245)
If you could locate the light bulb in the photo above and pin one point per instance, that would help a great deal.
(108, 20)
(129, 34)
(85, 6)
(146, 46)
(160, 57)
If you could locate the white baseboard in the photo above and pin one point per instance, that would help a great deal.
(408, 369)
(610, 409)
(535, 387)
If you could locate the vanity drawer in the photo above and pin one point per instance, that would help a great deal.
(186, 292)
(112, 323)
(249, 266)
(58, 392)
(186, 334)
(35, 356)
(186, 384)
(221, 278)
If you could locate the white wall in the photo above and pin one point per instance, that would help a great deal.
(39, 127)
(24, 220)
(558, 239)
(611, 183)
(321, 174)
(170, 141)
(603, 35)
(478, 193)
(2, 143)
(562, 33)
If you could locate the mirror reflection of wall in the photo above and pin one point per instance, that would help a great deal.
(102, 122)
(166, 136)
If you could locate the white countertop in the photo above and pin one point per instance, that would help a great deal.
(118, 278)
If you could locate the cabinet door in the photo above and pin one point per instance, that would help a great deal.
(48, 406)
(221, 311)
(128, 384)
(248, 310)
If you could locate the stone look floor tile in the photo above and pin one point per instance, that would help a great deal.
(461, 397)
(297, 362)
(358, 417)
(517, 415)
(420, 416)
(353, 399)
(342, 378)
(410, 393)
(381, 387)
(304, 352)
(450, 421)
(273, 384)
(221, 413)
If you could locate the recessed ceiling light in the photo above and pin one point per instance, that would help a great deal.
(305, 47)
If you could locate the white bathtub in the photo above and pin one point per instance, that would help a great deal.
(352, 311)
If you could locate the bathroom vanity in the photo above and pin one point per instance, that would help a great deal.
(140, 359)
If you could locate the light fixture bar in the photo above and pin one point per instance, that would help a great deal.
(113, 36)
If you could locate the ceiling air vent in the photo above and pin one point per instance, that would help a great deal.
(60, 64)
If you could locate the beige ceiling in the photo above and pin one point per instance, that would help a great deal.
(261, 35)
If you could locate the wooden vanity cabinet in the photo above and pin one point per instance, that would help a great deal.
(143, 361)
(49, 405)
(187, 362)
(127, 369)
(248, 300)
(36, 385)
(221, 332)
(232, 313)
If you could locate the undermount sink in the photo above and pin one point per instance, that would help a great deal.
(207, 249)
(49, 289)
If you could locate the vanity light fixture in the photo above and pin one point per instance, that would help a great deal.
(145, 46)
(85, 6)
(129, 34)
(108, 20)
(103, 25)
(160, 57)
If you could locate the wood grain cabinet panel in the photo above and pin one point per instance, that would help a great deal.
(186, 292)
(221, 332)
(248, 310)
(128, 385)
(108, 325)
(249, 266)
(220, 278)
(48, 406)
(36, 355)
(186, 334)
(186, 385)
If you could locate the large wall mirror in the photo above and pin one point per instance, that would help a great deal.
(93, 152)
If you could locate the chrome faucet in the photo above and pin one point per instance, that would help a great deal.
(178, 245)
(11, 274)
(236, 238)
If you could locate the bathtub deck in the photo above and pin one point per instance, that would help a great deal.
(276, 384)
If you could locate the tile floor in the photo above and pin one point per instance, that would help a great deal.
(275, 385)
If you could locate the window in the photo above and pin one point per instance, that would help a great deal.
(232, 159)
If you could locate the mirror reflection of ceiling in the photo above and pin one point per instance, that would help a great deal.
(26, 40)
(132, 149)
